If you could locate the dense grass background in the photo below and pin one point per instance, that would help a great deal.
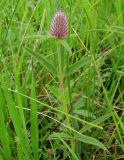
(38, 121)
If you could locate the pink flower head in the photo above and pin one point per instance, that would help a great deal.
(59, 25)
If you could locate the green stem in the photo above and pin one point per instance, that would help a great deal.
(61, 81)
(62, 88)
(60, 73)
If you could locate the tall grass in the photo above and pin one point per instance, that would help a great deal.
(37, 119)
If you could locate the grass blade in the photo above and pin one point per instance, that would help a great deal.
(3, 131)
(16, 121)
(34, 122)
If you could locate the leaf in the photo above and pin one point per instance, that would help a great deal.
(34, 122)
(16, 121)
(66, 46)
(68, 147)
(41, 37)
(90, 140)
(43, 61)
(97, 121)
(3, 131)
(79, 111)
(81, 138)
(57, 93)
(76, 66)
(17, 124)
(84, 113)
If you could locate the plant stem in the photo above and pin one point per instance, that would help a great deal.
(61, 82)
(62, 88)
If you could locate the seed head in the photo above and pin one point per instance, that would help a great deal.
(59, 25)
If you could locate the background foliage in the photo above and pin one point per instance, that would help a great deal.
(33, 122)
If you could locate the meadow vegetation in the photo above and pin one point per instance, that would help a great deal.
(62, 99)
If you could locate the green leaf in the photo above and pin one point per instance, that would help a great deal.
(41, 37)
(84, 113)
(79, 111)
(97, 121)
(43, 61)
(3, 131)
(76, 66)
(67, 146)
(17, 125)
(34, 122)
(16, 120)
(66, 46)
(55, 91)
(81, 138)
(90, 140)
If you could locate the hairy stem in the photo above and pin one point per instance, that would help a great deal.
(62, 88)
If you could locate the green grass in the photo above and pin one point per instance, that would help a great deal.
(62, 99)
